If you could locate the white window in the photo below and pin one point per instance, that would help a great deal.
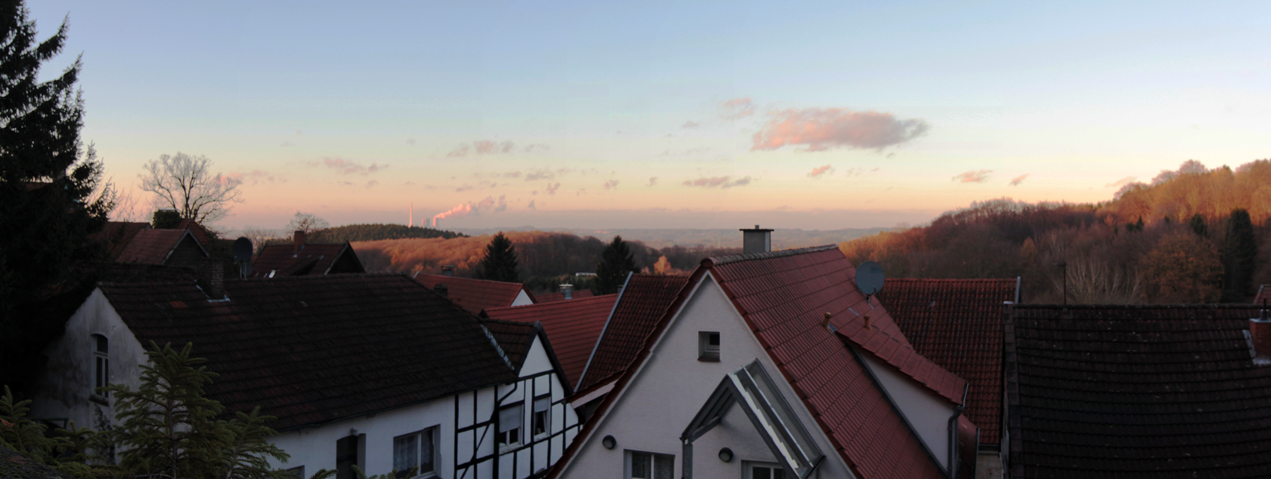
(648, 465)
(707, 346)
(763, 470)
(542, 415)
(101, 364)
(510, 420)
(416, 450)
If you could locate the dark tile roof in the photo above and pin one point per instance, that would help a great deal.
(957, 323)
(144, 273)
(783, 297)
(572, 326)
(315, 349)
(1136, 392)
(116, 235)
(153, 246)
(284, 260)
(200, 233)
(1264, 295)
(554, 297)
(644, 299)
(514, 338)
(474, 295)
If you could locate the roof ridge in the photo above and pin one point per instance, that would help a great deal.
(522, 285)
(554, 304)
(718, 260)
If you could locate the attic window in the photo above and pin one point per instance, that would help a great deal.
(708, 346)
(101, 364)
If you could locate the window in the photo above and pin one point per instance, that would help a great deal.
(542, 414)
(510, 420)
(297, 472)
(101, 364)
(707, 346)
(647, 465)
(416, 450)
(764, 470)
(347, 450)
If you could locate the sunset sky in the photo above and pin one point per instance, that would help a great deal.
(666, 115)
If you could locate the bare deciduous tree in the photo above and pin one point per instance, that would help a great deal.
(259, 237)
(184, 183)
(307, 222)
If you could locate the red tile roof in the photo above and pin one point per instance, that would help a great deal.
(957, 323)
(572, 327)
(116, 235)
(152, 246)
(200, 233)
(644, 299)
(316, 349)
(283, 260)
(474, 295)
(554, 297)
(783, 297)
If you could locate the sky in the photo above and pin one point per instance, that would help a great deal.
(819, 115)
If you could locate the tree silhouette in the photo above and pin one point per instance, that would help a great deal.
(1239, 252)
(186, 184)
(499, 263)
(1199, 226)
(615, 262)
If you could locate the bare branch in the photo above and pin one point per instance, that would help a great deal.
(185, 184)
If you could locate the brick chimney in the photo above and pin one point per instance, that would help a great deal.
(757, 240)
(1260, 330)
(448, 270)
(568, 289)
(211, 279)
(300, 241)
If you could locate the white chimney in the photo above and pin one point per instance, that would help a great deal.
(757, 240)
(448, 270)
(568, 289)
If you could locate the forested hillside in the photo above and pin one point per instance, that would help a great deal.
(380, 231)
(1173, 240)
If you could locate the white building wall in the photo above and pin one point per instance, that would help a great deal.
(65, 389)
(927, 413)
(672, 386)
(522, 299)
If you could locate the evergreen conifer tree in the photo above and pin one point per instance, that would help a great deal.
(615, 262)
(1239, 252)
(1199, 226)
(52, 196)
(499, 263)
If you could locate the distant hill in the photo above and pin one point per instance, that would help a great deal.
(375, 232)
(783, 238)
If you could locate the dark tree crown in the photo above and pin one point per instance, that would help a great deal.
(499, 263)
(615, 263)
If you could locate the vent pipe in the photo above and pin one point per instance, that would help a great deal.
(299, 239)
(757, 240)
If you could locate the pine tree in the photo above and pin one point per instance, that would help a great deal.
(1199, 226)
(1239, 252)
(615, 262)
(499, 263)
(52, 196)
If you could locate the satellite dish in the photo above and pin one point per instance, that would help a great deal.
(242, 250)
(869, 278)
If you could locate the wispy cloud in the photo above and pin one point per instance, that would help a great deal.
(820, 170)
(287, 143)
(350, 167)
(691, 124)
(1018, 179)
(464, 188)
(536, 147)
(1121, 182)
(542, 174)
(255, 177)
(611, 185)
(410, 141)
(531, 205)
(482, 147)
(474, 208)
(551, 188)
(973, 176)
(736, 108)
(653, 180)
(717, 182)
(371, 183)
(820, 129)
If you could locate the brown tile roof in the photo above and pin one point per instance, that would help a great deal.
(554, 297)
(153, 246)
(284, 260)
(572, 327)
(1136, 392)
(200, 233)
(957, 323)
(644, 299)
(783, 297)
(474, 295)
(316, 349)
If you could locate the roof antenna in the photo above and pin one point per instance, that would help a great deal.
(869, 280)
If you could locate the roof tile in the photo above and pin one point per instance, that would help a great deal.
(572, 326)
(474, 295)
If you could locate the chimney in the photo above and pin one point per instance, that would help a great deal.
(448, 270)
(568, 289)
(441, 289)
(300, 241)
(756, 241)
(1260, 330)
(211, 278)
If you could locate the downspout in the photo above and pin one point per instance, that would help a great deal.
(688, 459)
(953, 434)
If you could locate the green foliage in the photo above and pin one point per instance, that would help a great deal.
(244, 455)
(19, 433)
(615, 263)
(1198, 225)
(500, 262)
(1239, 256)
(375, 232)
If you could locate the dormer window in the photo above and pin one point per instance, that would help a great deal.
(708, 346)
(101, 364)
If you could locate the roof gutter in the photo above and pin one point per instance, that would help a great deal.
(605, 328)
(953, 434)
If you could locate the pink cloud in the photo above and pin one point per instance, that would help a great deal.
(1018, 179)
(551, 188)
(736, 108)
(691, 124)
(349, 167)
(611, 185)
(371, 183)
(483, 147)
(973, 176)
(820, 170)
(717, 182)
(821, 129)
(256, 176)
(653, 180)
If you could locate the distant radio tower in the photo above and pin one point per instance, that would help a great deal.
(412, 215)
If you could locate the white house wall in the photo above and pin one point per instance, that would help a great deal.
(65, 387)
(928, 414)
(522, 299)
(672, 385)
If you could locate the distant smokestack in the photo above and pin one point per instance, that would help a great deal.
(448, 270)
(211, 278)
(756, 240)
(299, 240)
(568, 289)
(434, 223)
(412, 215)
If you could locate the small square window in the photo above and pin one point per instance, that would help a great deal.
(542, 415)
(647, 465)
(707, 346)
(510, 420)
(764, 470)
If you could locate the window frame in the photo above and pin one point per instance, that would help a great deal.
(432, 433)
(707, 352)
(546, 421)
(629, 461)
(101, 364)
(500, 438)
(748, 469)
